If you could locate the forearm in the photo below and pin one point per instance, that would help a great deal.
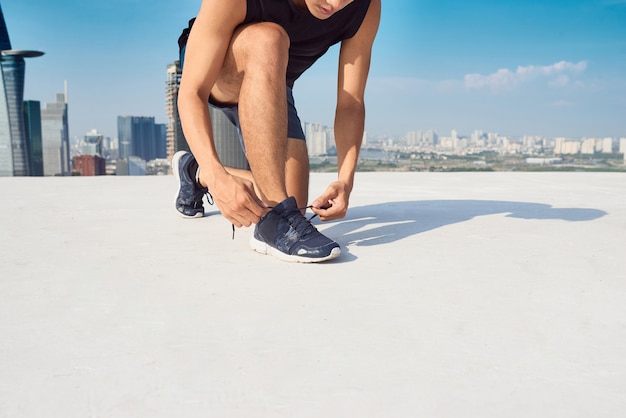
(349, 128)
(197, 127)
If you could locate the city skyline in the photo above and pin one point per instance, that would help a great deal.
(551, 68)
(15, 144)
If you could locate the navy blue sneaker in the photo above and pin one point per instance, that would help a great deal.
(190, 193)
(288, 235)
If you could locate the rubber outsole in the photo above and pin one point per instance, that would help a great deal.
(263, 248)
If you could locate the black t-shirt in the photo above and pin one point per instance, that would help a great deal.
(310, 37)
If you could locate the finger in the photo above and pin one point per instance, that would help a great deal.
(322, 203)
(334, 212)
(234, 221)
(244, 219)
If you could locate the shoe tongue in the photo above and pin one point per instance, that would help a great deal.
(286, 205)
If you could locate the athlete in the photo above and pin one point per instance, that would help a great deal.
(243, 57)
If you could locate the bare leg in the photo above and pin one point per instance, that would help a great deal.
(296, 171)
(254, 77)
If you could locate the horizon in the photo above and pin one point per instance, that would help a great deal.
(549, 69)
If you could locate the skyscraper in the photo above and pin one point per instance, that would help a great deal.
(317, 140)
(13, 143)
(141, 137)
(56, 138)
(175, 138)
(32, 124)
(225, 133)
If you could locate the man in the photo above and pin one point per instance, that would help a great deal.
(243, 56)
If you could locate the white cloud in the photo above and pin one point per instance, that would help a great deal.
(562, 80)
(504, 79)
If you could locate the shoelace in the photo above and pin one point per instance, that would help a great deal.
(202, 191)
(209, 197)
(300, 226)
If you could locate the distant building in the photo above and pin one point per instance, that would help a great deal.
(431, 138)
(141, 137)
(175, 139)
(227, 141)
(32, 125)
(132, 166)
(13, 141)
(90, 165)
(225, 133)
(563, 147)
(317, 138)
(93, 143)
(56, 137)
(588, 146)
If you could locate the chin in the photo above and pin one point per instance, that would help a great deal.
(318, 12)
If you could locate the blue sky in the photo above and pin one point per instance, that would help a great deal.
(553, 68)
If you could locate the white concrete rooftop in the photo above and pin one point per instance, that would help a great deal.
(457, 295)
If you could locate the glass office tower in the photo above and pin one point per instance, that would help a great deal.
(32, 123)
(13, 142)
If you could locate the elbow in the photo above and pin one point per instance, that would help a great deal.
(353, 109)
(188, 97)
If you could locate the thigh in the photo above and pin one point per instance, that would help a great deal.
(255, 46)
(228, 84)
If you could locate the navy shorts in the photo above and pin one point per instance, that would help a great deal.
(294, 127)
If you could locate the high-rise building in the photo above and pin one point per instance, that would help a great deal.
(13, 143)
(175, 139)
(227, 144)
(225, 133)
(431, 138)
(32, 125)
(56, 138)
(318, 138)
(588, 146)
(413, 138)
(558, 146)
(141, 137)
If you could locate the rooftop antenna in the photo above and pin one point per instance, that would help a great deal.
(65, 90)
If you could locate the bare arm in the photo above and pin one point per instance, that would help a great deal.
(206, 49)
(354, 64)
(204, 56)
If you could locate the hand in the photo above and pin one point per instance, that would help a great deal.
(333, 204)
(236, 199)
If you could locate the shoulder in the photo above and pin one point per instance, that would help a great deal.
(373, 13)
(369, 26)
(220, 12)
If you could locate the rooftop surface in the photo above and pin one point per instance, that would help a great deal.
(457, 295)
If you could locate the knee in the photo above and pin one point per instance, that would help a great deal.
(267, 43)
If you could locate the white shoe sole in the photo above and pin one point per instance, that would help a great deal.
(263, 248)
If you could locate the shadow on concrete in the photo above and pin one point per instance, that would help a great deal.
(385, 223)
